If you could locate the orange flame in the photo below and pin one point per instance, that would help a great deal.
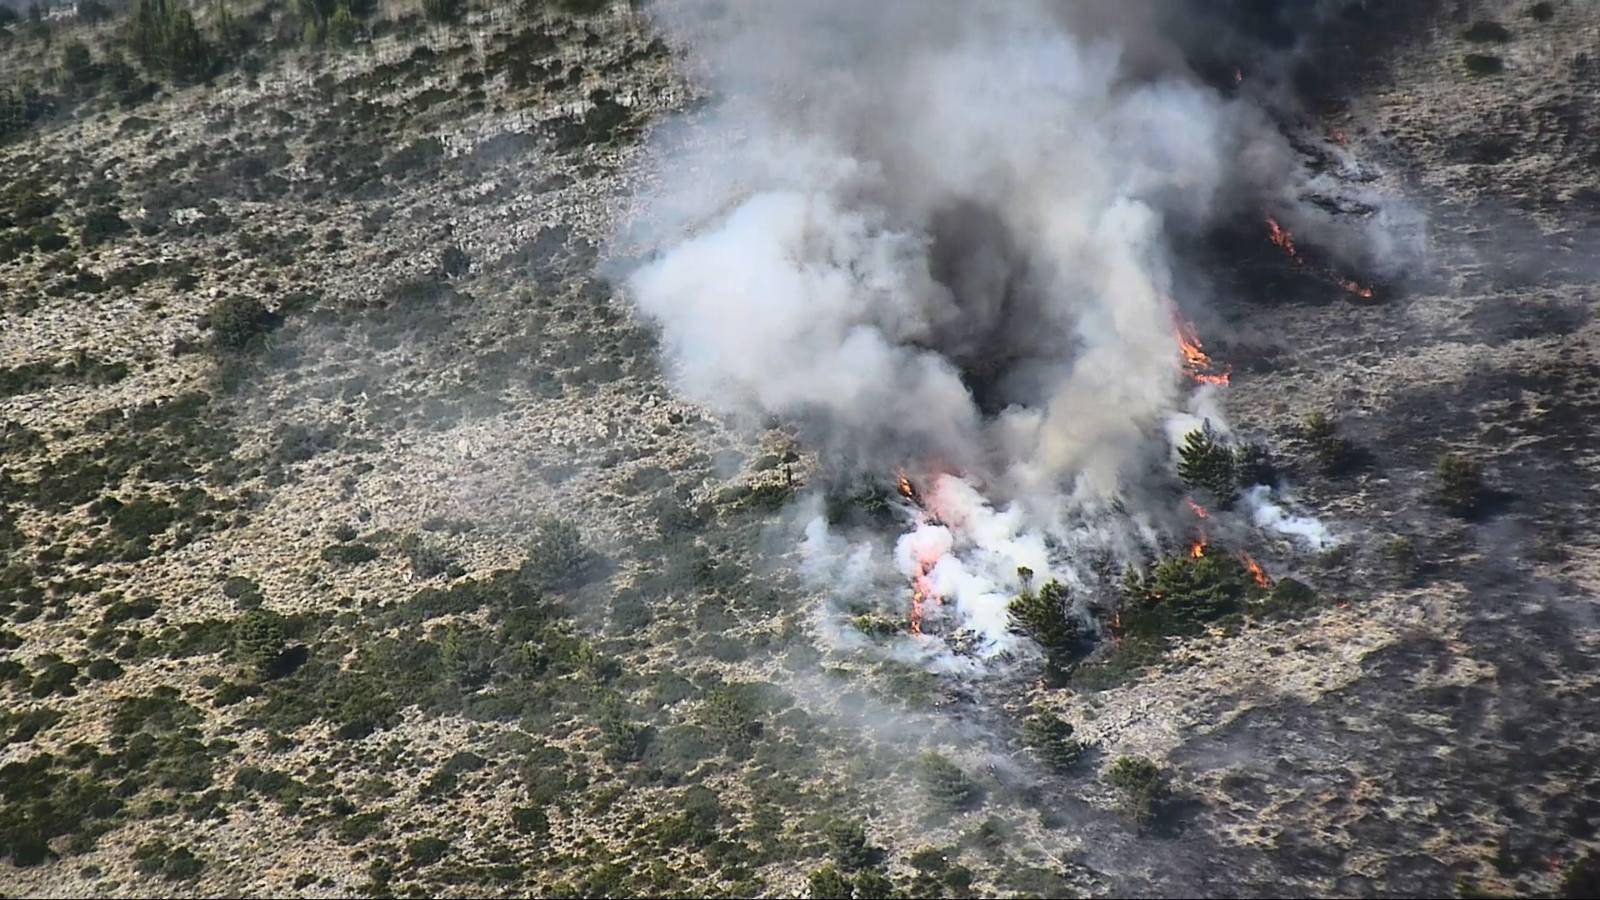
(1199, 510)
(1281, 237)
(906, 490)
(1256, 571)
(1197, 363)
(1197, 549)
(1356, 288)
(1238, 75)
(1338, 136)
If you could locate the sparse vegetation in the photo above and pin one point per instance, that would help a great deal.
(1460, 484)
(1328, 448)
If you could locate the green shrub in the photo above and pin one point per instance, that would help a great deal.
(427, 850)
(1480, 64)
(1051, 739)
(827, 884)
(101, 225)
(1543, 11)
(443, 11)
(556, 557)
(349, 554)
(1460, 484)
(847, 841)
(238, 323)
(157, 857)
(77, 64)
(258, 639)
(1142, 786)
(1328, 447)
(1042, 616)
(947, 785)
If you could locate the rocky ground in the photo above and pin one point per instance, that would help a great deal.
(355, 545)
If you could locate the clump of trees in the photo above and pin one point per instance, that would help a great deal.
(163, 36)
(1181, 594)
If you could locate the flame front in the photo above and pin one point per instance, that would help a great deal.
(1256, 571)
(1198, 548)
(1285, 241)
(922, 590)
(1197, 363)
(1281, 237)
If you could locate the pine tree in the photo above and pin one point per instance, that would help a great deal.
(1052, 741)
(947, 785)
(1042, 615)
(1204, 463)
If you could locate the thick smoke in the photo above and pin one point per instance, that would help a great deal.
(939, 236)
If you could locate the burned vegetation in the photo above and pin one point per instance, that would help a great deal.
(360, 536)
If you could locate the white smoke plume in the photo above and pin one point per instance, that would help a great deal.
(939, 236)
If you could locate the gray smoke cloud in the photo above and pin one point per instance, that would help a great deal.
(940, 231)
(943, 236)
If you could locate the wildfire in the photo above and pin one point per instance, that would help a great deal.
(1356, 288)
(1284, 241)
(1256, 571)
(922, 590)
(1197, 363)
(1197, 549)
(1238, 75)
(1199, 511)
(1338, 136)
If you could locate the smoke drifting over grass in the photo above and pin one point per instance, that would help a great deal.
(939, 237)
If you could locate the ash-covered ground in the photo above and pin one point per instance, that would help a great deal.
(359, 539)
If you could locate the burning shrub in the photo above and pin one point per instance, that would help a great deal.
(1142, 785)
(1460, 484)
(948, 786)
(1051, 738)
(1042, 616)
(1328, 447)
(1205, 464)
